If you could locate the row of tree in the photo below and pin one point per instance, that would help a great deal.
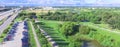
(96, 16)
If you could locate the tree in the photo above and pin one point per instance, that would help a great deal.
(69, 28)
(84, 29)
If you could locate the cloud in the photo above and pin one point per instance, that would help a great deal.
(59, 2)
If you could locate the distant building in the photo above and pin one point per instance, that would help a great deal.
(2, 7)
(47, 8)
(30, 9)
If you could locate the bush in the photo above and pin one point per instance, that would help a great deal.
(69, 28)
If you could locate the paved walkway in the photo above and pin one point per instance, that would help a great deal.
(35, 35)
(17, 38)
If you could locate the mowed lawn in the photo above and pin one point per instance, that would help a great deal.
(31, 36)
(51, 27)
(103, 32)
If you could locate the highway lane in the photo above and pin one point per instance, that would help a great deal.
(6, 14)
(8, 22)
(3, 13)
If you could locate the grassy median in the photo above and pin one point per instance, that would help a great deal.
(43, 41)
(31, 37)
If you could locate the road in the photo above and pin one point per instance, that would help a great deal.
(35, 35)
(17, 38)
(6, 14)
(7, 22)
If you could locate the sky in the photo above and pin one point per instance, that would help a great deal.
(60, 2)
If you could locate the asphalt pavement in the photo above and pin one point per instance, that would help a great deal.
(16, 42)
(8, 22)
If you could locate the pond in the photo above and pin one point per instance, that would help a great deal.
(92, 43)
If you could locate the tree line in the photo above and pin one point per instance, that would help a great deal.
(95, 16)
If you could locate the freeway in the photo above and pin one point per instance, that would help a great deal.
(6, 14)
(8, 22)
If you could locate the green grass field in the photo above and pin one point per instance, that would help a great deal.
(43, 41)
(103, 34)
(51, 27)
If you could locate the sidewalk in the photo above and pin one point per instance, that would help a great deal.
(35, 35)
